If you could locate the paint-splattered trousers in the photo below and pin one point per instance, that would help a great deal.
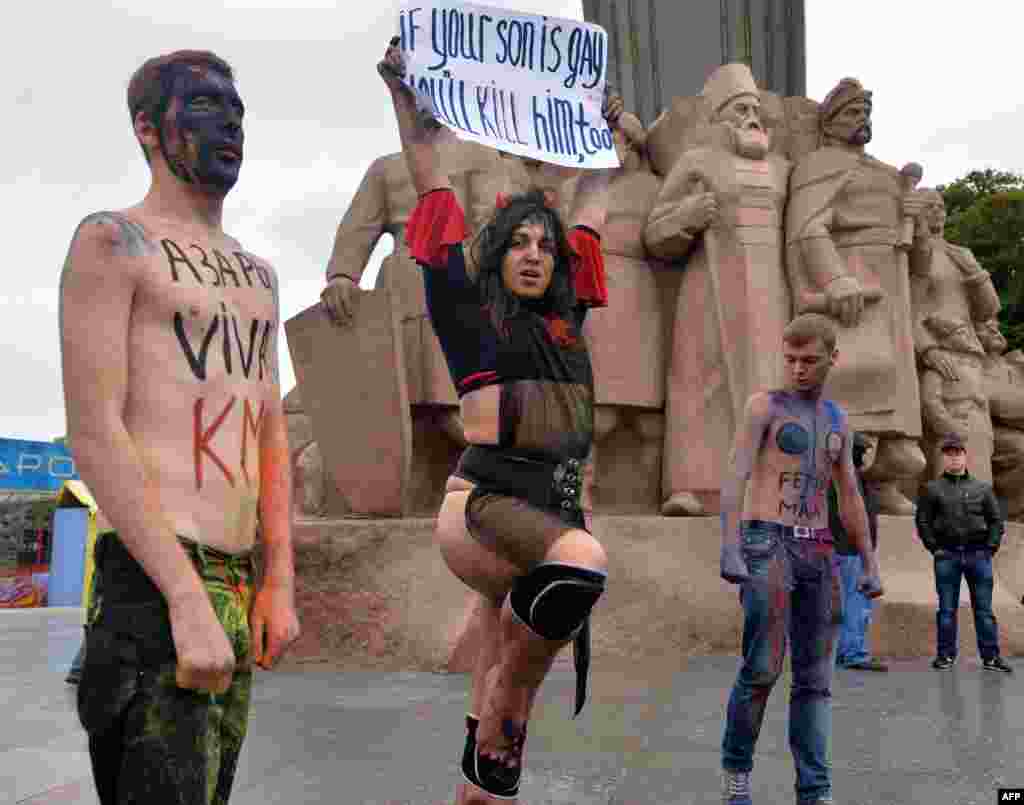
(792, 598)
(150, 741)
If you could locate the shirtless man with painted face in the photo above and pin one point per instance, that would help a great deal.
(169, 345)
(776, 544)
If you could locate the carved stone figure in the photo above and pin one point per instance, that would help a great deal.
(520, 174)
(307, 478)
(953, 399)
(382, 205)
(1004, 386)
(945, 280)
(628, 339)
(720, 210)
(949, 290)
(846, 256)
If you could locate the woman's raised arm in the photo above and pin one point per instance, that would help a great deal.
(420, 133)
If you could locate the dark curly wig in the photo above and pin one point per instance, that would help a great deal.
(493, 243)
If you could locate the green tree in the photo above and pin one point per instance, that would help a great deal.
(985, 213)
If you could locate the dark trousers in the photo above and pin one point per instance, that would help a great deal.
(151, 742)
(974, 565)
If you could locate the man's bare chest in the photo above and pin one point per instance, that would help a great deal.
(800, 452)
(211, 302)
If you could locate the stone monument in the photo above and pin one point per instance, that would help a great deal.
(1004, 389)
(735, 210)
(382, 205)
(628, 339)
(846, 256)
(721, 212)
(949, 291)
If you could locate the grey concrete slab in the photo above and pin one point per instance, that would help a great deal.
(913, 735)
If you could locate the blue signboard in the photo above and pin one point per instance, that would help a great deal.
(34, 466)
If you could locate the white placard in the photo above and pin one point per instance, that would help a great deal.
(526, 84)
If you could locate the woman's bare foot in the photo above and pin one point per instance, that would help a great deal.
(502, 727)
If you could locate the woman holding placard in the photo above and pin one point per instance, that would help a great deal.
(508, 309)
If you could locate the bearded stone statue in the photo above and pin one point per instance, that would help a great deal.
(720, 211)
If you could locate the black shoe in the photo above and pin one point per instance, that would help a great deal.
(996, 663)
(942, 663)
(493, 777)
(870, 664)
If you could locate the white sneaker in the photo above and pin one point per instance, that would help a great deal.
(735, 787)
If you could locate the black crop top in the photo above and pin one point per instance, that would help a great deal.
(542, 364)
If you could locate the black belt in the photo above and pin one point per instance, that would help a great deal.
(792, 531)
(547, 483)
(555, 485)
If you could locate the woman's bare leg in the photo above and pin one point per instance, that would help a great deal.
(491, 576)
(524, 661)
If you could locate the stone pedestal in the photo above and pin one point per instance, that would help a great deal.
(376, 594)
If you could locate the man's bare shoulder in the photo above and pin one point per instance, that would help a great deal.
(117, 233)
(762, 405)
(837, 416)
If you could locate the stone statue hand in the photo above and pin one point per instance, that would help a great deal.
(732, 566)
(392, 66)
(844, 300)
(914, 204)
(338, 300)
(697, 212)
(940, 362)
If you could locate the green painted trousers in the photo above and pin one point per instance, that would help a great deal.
(150, 741)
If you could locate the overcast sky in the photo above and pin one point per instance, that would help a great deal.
(317, 115)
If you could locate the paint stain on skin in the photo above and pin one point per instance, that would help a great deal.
(793, 439)
(834, 446)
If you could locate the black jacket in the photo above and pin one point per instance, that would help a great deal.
(959, 511)
(843, 543)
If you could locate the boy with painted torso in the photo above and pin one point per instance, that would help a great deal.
(776, 545)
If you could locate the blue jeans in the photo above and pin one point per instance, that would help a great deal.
(857, 610)
(792, 598)
(975, 565)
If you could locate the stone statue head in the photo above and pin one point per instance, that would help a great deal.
(524, 258)
(991, 337)
(735, 104)
(955, 335)
(846, 114)
(934, 211)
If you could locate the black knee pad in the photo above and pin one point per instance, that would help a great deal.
(554, 599)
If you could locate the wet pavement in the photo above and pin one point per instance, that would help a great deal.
(913, 735)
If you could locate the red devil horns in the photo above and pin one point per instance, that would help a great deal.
(502, 199)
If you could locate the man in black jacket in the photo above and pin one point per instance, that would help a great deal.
(851, 648)
(959, 522)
